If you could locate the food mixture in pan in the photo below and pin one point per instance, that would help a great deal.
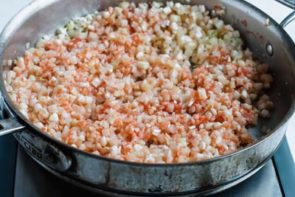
(144, 83)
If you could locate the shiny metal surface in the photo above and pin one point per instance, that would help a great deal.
(288, 19)
(146, 179)
(40, 183)
(8, 123)
(289, 3)
(43, 151)
(208, 191)
(9, 126)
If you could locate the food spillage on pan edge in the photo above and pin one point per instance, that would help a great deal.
(155, 84)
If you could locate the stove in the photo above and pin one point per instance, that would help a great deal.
(20, 176)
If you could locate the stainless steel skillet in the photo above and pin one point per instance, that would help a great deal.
(270, 44)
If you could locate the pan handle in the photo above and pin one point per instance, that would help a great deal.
(288, 19)
(39, 149)
(10, 125)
